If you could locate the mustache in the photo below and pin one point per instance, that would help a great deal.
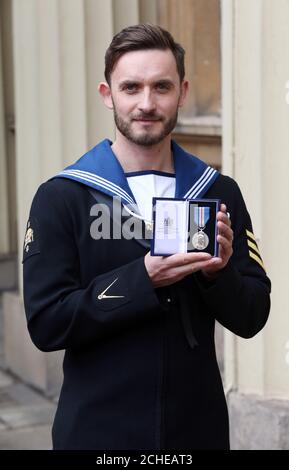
(147, 116)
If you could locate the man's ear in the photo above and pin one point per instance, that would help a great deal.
(184, 92)
(105, 92)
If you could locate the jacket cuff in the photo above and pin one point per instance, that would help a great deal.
(227, 278)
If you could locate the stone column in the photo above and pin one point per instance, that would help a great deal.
(98, 34)
(58, 59)
(125, 13)
(4, 223)
(59, 48)
(255, 153)
(102, 19)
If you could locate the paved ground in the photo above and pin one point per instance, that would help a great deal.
(25, 416)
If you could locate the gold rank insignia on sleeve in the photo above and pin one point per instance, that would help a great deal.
(254, 252)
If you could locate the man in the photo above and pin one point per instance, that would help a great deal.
(140, 369)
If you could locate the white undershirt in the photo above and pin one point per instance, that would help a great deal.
(146, 185)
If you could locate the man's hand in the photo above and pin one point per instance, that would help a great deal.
(225, 239)
(166, 270)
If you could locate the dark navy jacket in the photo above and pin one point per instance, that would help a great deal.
(132, 379)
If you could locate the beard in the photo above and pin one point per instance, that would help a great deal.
(146, 138)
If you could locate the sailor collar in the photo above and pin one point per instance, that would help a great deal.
(100, 169)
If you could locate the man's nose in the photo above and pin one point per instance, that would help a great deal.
(147, 103)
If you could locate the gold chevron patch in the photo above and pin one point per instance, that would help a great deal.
(254, 247)
(257, 259)
(254, 252)
(251, 235)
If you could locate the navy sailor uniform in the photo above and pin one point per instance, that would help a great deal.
(140, 368)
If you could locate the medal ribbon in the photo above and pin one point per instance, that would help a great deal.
(201, 216)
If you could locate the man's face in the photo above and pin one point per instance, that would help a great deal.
(145, 94)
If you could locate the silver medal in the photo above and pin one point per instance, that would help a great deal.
(200, 240)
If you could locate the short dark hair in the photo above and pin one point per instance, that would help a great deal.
(142, 37)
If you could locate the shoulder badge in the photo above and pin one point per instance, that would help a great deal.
(28, 237)
(31, 245)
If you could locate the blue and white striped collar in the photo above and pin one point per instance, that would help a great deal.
(193, 176)
(100, 169)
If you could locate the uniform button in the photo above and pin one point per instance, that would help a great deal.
(168, 300)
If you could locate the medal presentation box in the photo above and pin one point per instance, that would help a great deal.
(184, 226)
